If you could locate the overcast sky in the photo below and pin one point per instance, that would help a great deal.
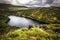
(32, 3)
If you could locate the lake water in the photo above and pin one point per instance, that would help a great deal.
(21, 21)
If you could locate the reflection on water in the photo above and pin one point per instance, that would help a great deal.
(21, 21)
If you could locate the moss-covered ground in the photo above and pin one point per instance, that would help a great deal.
(49, 31)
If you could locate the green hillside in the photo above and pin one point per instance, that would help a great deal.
(49, 31)
(50, 14)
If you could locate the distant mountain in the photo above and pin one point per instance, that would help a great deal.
(2, 5)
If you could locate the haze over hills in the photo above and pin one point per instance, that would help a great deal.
(32, 3)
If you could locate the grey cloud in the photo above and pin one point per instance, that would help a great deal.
(36, 3)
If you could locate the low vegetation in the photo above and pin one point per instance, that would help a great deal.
(42, 32)
(49, 31)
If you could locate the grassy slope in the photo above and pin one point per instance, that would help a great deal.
(46, 32)
(50, 15)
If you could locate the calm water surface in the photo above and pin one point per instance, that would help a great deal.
(21, 21)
